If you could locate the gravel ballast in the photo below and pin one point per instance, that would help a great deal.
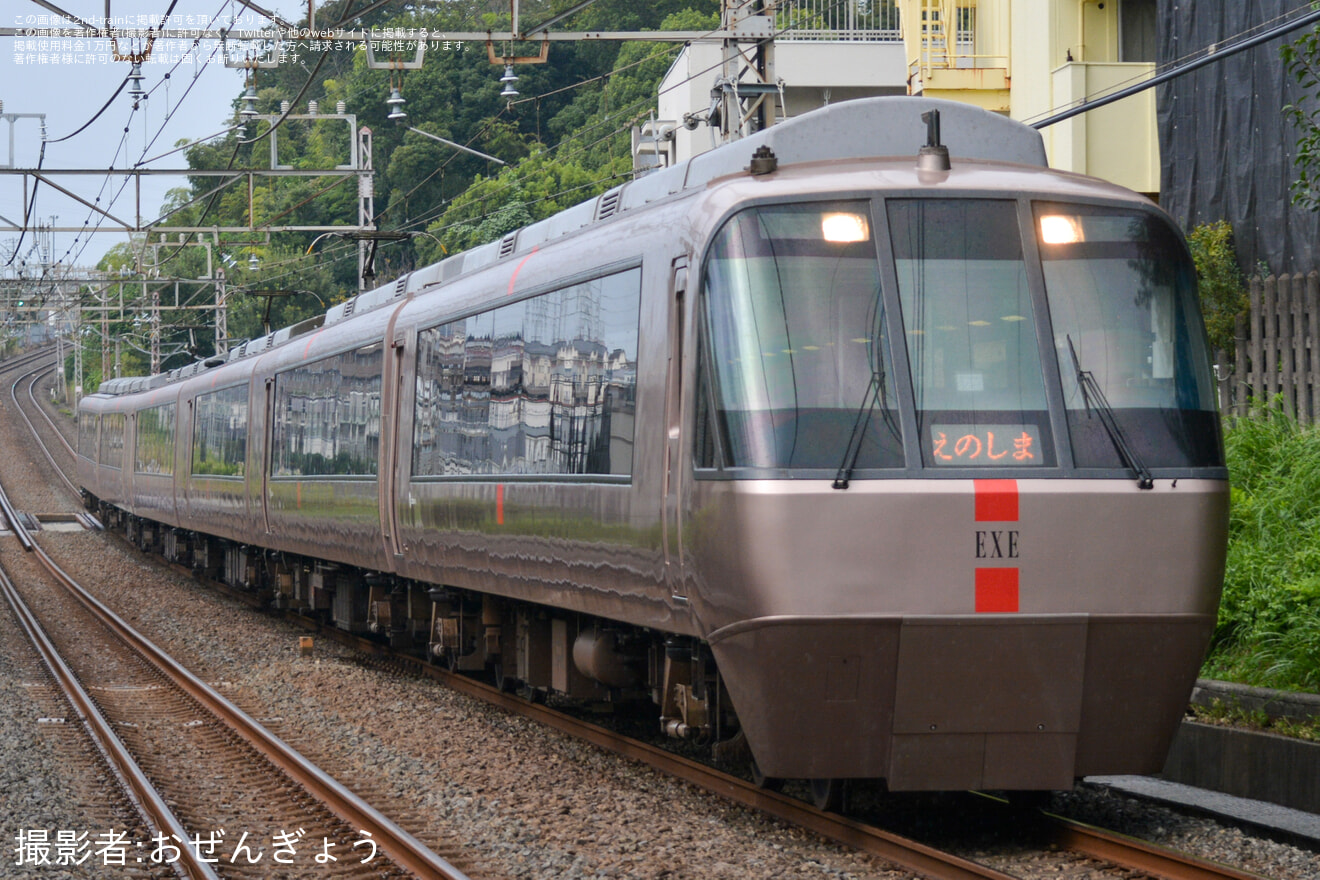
(497, 794)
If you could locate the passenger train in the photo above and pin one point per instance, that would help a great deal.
(883, 453)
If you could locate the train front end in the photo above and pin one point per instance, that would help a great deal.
(959, 507)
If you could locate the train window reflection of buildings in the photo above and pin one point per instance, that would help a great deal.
(544, 387)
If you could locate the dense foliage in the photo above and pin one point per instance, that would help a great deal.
(1269, 618)
(565, 139)
(1302, 60)
(1219, 281)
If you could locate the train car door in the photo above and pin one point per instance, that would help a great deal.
(267, 453)
(671, 530)
(398, 454)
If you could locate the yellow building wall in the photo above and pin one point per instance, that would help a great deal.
(1117, 142)
(1044, 55)
(1065, 50)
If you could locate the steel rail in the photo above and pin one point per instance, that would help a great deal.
(59, 435)
(45, 450)
(139, 789)
(26, 359)
(1123, 852)
(401, 847)
(897, 850)
(1138, 855)
(15, 524)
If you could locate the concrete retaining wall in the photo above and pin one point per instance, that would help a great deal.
(1261, 766)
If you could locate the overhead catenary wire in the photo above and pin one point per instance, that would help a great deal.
(123, 142)
(160, 130)
(348, 16)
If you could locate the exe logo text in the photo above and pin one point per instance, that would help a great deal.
(992, 544)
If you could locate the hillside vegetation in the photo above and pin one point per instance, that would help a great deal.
(565, 138)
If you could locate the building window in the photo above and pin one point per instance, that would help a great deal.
(1136, 29)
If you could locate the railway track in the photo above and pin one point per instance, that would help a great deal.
(49, 430)
(148, 714)
(1123, 854)
(1117, 855)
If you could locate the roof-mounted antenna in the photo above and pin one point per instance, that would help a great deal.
(934, 156)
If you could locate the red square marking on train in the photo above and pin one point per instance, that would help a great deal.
(996, 590)
(996, 500)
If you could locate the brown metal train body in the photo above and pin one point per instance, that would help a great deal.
(897, 472)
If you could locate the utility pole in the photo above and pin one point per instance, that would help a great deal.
(105, 336)
(77, 354)
(747, 106)
(155, 326)
(366, 207)
(59, 346)
(221, 313)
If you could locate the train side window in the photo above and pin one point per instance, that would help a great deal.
(327, 416)
(155, 440)
(544, 386)
(439, 390)
(87, 425)
(220, 431)
(705, 452)
(112, 440)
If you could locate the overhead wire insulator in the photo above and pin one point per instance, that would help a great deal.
(135, 77)
(249, 111)
(509, 79)
(395, 102)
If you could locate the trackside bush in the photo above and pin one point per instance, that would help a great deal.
(1219, 282)
(1268, 632)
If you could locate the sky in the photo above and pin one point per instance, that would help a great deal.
(71, 81)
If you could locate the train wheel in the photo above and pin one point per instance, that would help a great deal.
(827, 794)
(769, 783)
(503, 682)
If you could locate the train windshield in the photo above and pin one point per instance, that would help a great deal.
(796, 323)
(1122, 295)
(971, 335)
(797, 359)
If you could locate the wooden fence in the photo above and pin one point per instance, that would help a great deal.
(1277, 349)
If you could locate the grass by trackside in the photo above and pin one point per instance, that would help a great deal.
(1269, 619)
(1226, 714)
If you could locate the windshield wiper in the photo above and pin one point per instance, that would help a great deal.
(1093, 397)
(860, 423)
(874, 396)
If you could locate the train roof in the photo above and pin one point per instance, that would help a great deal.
(868, 128)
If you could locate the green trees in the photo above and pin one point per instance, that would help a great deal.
(1302, 60)
(565, 139)
(1219, 281)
